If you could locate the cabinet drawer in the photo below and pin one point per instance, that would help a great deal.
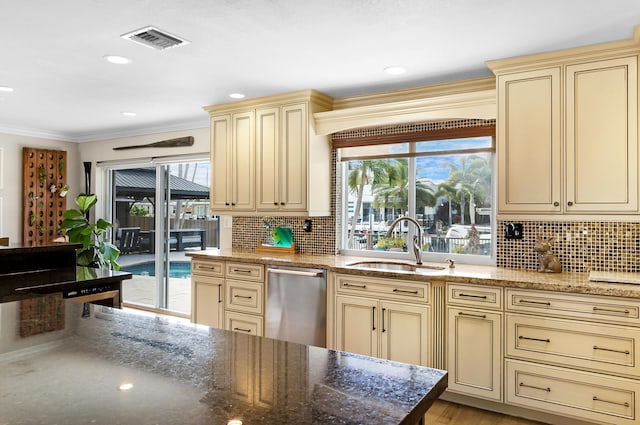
(606, 348)
(602, 309)
(245, 323)
(569, 392)
(244, 271)
(207, 268)
(474, 295)
(386, 288)
(243, 296)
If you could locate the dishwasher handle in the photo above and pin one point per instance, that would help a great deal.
(295, 272)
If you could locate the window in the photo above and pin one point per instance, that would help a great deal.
(445, 184)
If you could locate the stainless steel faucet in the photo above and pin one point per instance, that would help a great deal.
(417, 239)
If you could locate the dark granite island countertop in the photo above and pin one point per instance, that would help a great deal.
(179, 373)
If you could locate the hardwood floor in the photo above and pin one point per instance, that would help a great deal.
(444, 412)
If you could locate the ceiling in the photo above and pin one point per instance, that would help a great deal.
(52, 53)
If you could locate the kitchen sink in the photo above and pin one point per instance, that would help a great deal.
(395, 266)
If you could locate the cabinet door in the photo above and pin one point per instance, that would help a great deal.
(529, 142)
(602, 140)
(293, 158)
(474, 354)
(207, 300)
(267, 138)
(356, 325)
(404, 333)
(221, 148)
(245, 323)
(243, 162)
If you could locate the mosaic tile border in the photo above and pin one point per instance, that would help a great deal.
(580, 246)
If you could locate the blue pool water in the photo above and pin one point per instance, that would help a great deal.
(181, 269)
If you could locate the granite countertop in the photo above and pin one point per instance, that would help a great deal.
(462, 273)
(182, 373)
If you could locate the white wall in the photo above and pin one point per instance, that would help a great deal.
(102, 150)
(77, 153)
(11, 171)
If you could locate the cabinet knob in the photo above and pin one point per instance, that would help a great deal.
(275, 203)
(281, 203)
(570, 203)
(556, 204)
(226, 203)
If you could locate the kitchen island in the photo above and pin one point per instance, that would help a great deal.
(123, 367)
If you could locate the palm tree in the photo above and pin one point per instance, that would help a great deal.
(366, 172)
(471, 177)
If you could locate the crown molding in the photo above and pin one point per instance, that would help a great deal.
(566, 56)
(470, 105)
(203, 122)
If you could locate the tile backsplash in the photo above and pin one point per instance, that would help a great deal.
(248, 231)
(580, 246)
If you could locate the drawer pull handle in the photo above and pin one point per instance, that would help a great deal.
(242, 330)
(484, 297)
(479, 316)
(373, 318)
(383, 312)
(610, 310)
(534, 387)
(625, 404)
(207, 268)
(404, 291)
(534, 339)
(351, 285)
(246, 297)
(595, 347)
(241, 271)
(547, 303)
(219, 293)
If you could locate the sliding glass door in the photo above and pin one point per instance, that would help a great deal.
(161, 213)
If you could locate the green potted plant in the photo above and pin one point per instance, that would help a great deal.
(96, 251)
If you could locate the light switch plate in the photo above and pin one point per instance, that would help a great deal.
(513, 230)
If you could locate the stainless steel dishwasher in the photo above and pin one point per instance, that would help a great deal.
(296, 308)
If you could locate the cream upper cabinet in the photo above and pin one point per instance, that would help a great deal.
(602, 136)
(233, 158)
(281, 137)
(568, 131)
(529, 142)
(272, 165)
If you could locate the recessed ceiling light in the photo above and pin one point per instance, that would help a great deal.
(119, 60)
(128, 114)
(6, 88)
(236, 96)
(395, 70)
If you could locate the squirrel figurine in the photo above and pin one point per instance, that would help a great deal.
(549, 263)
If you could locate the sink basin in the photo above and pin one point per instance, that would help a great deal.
(395, 266)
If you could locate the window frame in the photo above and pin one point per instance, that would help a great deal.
(342, 227)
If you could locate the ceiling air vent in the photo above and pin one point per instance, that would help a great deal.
(155, 38)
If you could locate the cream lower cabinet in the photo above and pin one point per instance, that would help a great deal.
(371, 319)
(474, 340)
(573, 355)
(228, 295)
(207, 293)
(244, 298)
